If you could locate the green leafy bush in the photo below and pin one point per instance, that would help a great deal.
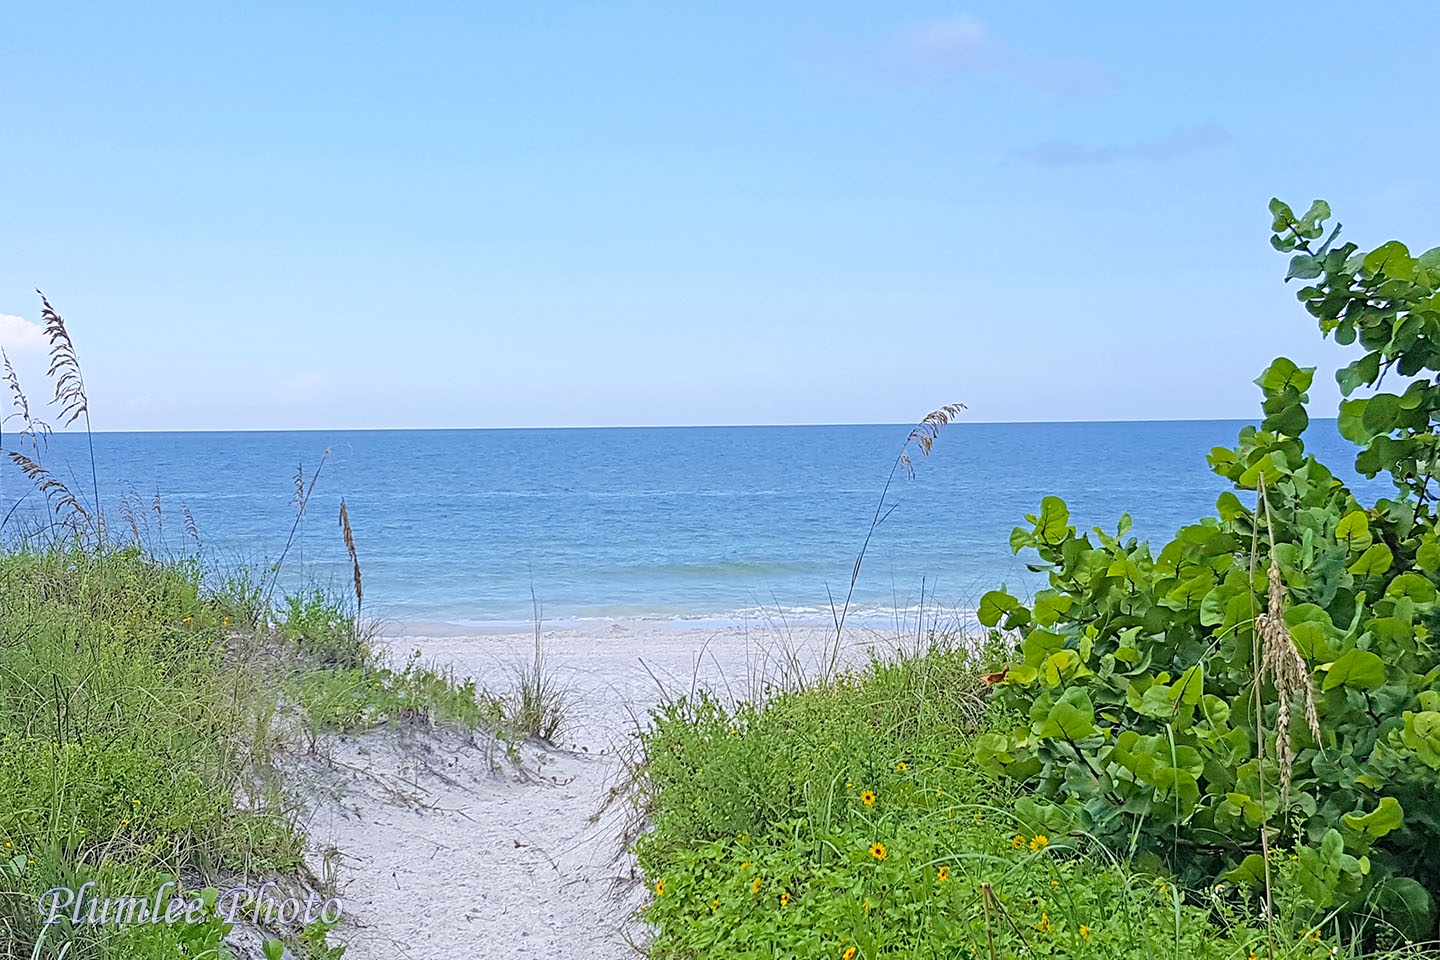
(1140, 677)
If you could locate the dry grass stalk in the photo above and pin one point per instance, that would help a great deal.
(301, 499)
(192, 530)
(127, 514)
(925, 432)
(70, 392)
(354, 558)
(1282, 662)
(33, 428)
(923, 436)
(54, 489)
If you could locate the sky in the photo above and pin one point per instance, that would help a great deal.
(297, 216)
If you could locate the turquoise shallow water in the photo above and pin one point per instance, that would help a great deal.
(709, 523)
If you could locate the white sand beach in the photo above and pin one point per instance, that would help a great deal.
(446, 850)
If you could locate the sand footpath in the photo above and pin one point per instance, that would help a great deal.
(443, 849)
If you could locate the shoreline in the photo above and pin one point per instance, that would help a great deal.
(868, 620)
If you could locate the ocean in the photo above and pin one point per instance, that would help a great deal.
(693, 524)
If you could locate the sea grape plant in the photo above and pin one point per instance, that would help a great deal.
(1136, 680)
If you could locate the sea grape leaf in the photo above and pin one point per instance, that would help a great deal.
(994, 605)
(1071, 718)
(1375, 560)
(1190, 686)
(1249, 872)
(1352, 421)
(1362, 372)
(1422, 734)
(1427, 557)
(1284, 373)
(1392, 259)
(1360, 669)
(1053, 522)
(1354, 530)
(1387, 816)
(1412, 586)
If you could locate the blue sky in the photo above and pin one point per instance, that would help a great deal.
(406, 215)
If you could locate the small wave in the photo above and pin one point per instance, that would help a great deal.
(717, 570)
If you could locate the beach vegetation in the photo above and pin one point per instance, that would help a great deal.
(1229, 747)
(851, 818)
(1268, 681)
(147, 699)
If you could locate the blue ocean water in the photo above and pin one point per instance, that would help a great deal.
(713, 523)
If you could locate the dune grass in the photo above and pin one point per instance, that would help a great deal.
(131, 754)
(140, 717)
(849, 820)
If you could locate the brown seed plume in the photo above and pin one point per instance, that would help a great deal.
(1282, 661)
(354, 558)
(925, 432)
(70, 392)
(54, 489)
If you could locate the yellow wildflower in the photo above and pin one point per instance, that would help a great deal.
(784, 899)
(868, 798)
(849, 954)
(901, 767)
(877, 850)
(1084, 931)
(755, 885)
(1039, 842)
(659, 888)
(942, 874)
(1019, 841)
(1044, 925)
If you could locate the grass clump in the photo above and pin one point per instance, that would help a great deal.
(850, 820)
(130, 753)
(140, 715)
(341, 682)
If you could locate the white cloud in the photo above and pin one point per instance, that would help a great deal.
(19, 336)
(961, 46)
(1056, 154)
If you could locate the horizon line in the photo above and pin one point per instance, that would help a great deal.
(651, 426)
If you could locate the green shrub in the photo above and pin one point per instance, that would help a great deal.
(850, 819)
(1140, 678)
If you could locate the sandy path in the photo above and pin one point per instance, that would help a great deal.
(446, 852)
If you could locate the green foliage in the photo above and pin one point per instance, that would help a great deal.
(134, 746)
(321, 630)
(850, 819)
(357, 698)
(1137, 672)
(123, 744)
(342, 683)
